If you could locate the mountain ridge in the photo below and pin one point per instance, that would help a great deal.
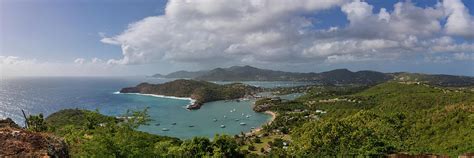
(336, 76)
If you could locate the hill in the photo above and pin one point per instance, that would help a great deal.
(333, 77)
(388, 118)
(201, 91)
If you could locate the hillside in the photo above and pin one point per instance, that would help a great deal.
(201, 91)
(333, 77)
(388, 118)
(440, 80)
(18, 142)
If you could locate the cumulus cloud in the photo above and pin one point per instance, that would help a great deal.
(249, 31)
(459, 21)
(406, 20)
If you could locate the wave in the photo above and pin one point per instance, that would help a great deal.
(191, 101)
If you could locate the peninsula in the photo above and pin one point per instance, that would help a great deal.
(200, 91)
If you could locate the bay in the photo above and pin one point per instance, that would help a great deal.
(49, 94)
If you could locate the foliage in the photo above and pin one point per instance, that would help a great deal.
(36, 123)
(201, 91)
(102, 136)
(390, 117)
(225, 146)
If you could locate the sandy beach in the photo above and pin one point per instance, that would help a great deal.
(256, 130)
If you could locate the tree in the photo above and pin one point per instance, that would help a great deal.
(225, 146)
(36, 123)
(198, 146)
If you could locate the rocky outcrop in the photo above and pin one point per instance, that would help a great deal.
(17, 142)
(8, 122)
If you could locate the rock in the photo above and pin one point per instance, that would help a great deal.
(17, 142)
(194, 106)
(8, 122)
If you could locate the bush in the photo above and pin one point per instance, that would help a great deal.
(257, 140)
(252, 148)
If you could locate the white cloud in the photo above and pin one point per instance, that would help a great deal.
(459, 21)
(262, 31)
(406, 20)
(225, 30)
(464, 56)
(14, 60)
(17, 66)
(79, 61)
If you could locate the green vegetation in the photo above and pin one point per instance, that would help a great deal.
(201, 91)
(387, 118)
(348, 120)
(90, 134)
(36, 123)
(333, 77)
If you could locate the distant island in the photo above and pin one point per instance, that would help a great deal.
(200, 91)
(334, 77)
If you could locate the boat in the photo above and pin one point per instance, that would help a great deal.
(165, 129)
(243, 114)
(191, 126)
(247, 116)
(222, 126)
(236, 119)
(157, 124)
(225, 116)
(215, 120)
(242, 123)
(174, 123)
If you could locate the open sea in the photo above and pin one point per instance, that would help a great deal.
(49, 94)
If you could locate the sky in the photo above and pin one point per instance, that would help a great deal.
(143, 37)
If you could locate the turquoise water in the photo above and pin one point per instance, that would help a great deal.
(49, 94)
(166, 111)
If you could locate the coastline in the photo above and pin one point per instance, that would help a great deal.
(258, 129)
(191, 101)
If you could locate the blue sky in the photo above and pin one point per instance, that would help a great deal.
(125, 37)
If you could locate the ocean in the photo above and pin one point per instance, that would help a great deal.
(49, 94)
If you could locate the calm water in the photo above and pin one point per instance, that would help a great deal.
(269, 84)
(49, 94)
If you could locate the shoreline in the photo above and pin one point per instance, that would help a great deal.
(191, 101)
(258, 129)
